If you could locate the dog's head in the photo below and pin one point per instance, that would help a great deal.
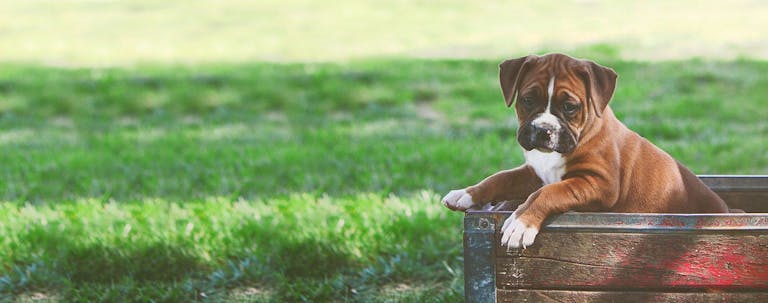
(558, 97)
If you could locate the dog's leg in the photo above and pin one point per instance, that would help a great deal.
(513, 184)
(521, 228)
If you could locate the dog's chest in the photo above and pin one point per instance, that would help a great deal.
(550, 167)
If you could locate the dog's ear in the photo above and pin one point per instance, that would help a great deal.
(600, 82)
(510, 73)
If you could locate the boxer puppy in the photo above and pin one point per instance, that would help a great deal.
(578, 156)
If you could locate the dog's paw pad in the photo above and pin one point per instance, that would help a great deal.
(516, 234)
(458, 200)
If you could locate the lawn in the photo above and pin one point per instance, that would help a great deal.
(295, 182)
(158, 151)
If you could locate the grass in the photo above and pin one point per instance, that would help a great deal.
(303, 247)
(295, 182)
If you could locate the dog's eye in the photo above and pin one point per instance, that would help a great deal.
(570, 108)
(528, 102)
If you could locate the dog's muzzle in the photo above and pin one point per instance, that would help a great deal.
(546, 138)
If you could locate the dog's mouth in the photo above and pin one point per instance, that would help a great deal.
(563, 147)
(544, 150)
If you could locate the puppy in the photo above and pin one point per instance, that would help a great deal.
(578, 156)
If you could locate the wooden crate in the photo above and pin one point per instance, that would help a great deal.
(611, 257)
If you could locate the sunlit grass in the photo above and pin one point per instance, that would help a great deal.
(364, 241)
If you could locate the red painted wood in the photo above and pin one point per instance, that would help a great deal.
(660, 260)
(603, 257)
(559, 296)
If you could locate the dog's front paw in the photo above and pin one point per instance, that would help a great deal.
(516, 234)
(458, 199)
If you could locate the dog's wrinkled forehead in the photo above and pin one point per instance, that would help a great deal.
(561, 70)
(594, 82)
(551, 62)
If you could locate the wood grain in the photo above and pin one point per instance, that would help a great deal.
(561, 296)
(748, 201)
(637, 261)
(609, 257)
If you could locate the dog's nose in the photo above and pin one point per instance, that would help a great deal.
(541, 134)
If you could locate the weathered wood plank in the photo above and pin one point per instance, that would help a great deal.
(633, 222)
(479, 258)
(748, 193)
(622, 222)
(560, 296)
(736, 182)
(748, 201)
(637, 261)
(605, 257)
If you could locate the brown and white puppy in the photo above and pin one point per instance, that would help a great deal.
(578, 156)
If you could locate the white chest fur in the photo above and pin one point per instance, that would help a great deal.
(550, 167)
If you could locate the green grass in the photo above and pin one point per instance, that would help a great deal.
(301, 247)
(295, 182)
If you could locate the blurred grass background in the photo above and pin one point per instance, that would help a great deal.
(295, 151)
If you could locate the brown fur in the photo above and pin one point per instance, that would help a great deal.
(611, 169)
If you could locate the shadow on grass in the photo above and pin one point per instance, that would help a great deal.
(146, 262)
(66, 255)
(292, 256)
(311, 258)
(156, 262)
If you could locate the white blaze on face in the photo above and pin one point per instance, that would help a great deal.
(547, 118)
(550, 92)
